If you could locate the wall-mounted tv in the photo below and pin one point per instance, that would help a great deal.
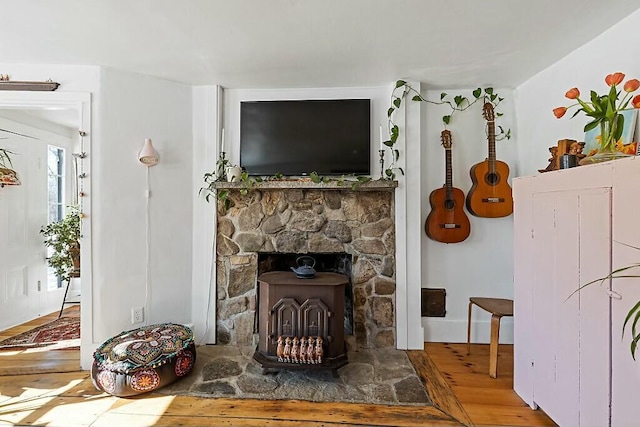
(295, 138)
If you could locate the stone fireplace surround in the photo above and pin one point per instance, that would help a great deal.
(300, 217)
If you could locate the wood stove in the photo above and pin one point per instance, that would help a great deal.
(301, 321)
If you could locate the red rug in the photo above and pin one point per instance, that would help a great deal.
(63, 333)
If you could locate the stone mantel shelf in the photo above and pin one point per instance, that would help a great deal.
(377, 185)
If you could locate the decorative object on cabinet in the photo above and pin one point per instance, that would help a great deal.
(553, 160)
(575, 149)
(498, 307)
(7, 84)
(490, 196)
(568, 161)
(564, 146)
(447, 222)
(608, 114)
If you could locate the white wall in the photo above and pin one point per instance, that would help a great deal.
(134, 107)
(482, 265)
(206, 139)
(585, 68)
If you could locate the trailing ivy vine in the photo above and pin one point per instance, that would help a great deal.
(400, 92)
(457, 103)
(211, 178)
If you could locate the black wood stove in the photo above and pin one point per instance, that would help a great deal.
(301, 321)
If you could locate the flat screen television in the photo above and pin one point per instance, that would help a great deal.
(295, 138)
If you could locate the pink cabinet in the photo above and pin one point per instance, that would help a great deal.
(569, 229)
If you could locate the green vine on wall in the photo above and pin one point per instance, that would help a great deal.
(457, 103)
(211, 178)
(400, 92)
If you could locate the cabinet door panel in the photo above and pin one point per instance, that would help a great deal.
(595, 323)
(556, 319)
(625, 370)
(572, 236)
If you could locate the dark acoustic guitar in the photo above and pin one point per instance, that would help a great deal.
(447, 222)
(490, 196)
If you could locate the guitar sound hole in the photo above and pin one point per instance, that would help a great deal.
(449, 204)
(492, 178)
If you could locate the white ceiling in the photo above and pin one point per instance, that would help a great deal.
(306, 43)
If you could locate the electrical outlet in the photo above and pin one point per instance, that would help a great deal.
(137, 315)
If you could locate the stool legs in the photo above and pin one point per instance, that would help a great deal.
(493, 346)
(469, 329)
(65, 297)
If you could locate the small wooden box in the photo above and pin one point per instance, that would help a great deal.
(563, 148)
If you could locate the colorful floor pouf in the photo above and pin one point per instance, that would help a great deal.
(143, 359)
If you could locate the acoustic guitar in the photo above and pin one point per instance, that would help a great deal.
(447, 222)
(490, 196)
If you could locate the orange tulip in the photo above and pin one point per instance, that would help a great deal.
(636, 101)
(614, 79)
(573, 93)
(632, 85)
(560, 111)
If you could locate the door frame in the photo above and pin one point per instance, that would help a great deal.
(81, 102)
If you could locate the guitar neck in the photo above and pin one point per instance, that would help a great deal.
(491, 136)
(448, 184)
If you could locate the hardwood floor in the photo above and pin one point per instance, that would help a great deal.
(459, 385)
(38, 360)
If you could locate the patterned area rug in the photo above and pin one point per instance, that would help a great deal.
(61, 333)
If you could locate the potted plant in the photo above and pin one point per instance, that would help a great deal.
(64, 238)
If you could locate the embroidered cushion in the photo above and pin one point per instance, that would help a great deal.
(143, 359)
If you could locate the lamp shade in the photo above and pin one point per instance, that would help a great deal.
(148, 156)
(9, 177)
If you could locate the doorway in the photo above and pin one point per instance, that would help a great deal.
(49, 134)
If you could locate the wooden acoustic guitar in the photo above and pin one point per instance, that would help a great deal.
(490, 196)
(447, 222)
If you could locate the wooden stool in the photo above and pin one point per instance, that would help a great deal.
(498, 307)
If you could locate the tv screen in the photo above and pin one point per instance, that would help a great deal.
(295, 138)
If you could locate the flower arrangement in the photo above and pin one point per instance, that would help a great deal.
(605, 110)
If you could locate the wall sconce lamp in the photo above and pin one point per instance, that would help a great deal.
(148, 156)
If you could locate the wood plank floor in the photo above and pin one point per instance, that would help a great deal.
(38, 360)
(61, 394)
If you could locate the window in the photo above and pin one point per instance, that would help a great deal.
(56, 198)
